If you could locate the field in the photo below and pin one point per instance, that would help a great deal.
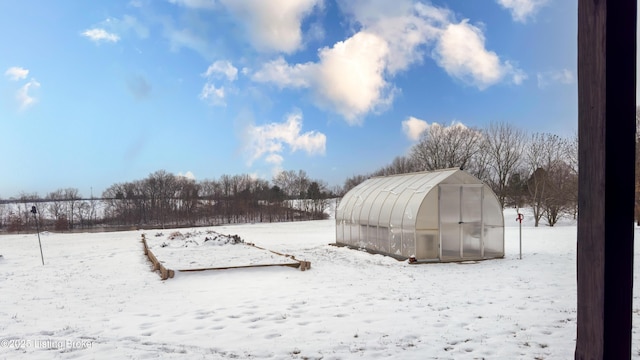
(96, 297)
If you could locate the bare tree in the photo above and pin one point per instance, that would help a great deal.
(301, 184)
(543, 153)
(442, 147)
(562, 184)
(15, 223)
(211, 195)
(503, 145)
(294, 186)
(111, 197)
(352, 182)
(188, 193)
(93, 210)
(3, 211)
(83, 212)
(285, 181)
(572, 163)
(226, 203)
(317, 199)
(399, 165)
(517, 188)
(71, 195)
(403, 165)
(479, 166)
(160, 186)
(56, 205)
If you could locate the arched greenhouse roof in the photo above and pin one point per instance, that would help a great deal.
(396, 214)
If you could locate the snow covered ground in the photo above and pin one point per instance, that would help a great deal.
(96, 297)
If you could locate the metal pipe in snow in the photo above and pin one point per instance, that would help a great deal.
(34, 211)
(519, 219)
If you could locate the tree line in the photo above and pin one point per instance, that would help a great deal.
(538, 170)
(167, 200)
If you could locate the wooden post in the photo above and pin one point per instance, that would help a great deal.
(606, 132)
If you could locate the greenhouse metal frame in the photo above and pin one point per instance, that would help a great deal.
(436, 216)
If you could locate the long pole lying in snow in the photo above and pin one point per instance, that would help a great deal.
(34, 211)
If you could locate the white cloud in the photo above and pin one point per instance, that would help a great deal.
(349, 77)
(272, 25)
(222, 67)
(212, 95)
(24, 97)
(24, 94)
(518, 76)
(274, 159)
(16, 73)
(414, 127)
(521, 10)
(410, 28)
(111, 29)
(98, 35)
(563, 76)
(189, 175)
(438, 16)
(405, 27)
(461, 52)
(453, 125)
(279, 72)
(269, 140)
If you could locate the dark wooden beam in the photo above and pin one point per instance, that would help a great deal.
(606, 132)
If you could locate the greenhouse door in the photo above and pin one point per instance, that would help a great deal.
(461, 222)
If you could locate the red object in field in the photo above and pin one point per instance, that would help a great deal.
(520, 218)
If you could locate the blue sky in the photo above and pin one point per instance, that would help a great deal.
(94, 93)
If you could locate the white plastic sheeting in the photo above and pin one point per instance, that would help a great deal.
(446, 215)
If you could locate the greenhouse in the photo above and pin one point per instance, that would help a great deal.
(444, 215)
